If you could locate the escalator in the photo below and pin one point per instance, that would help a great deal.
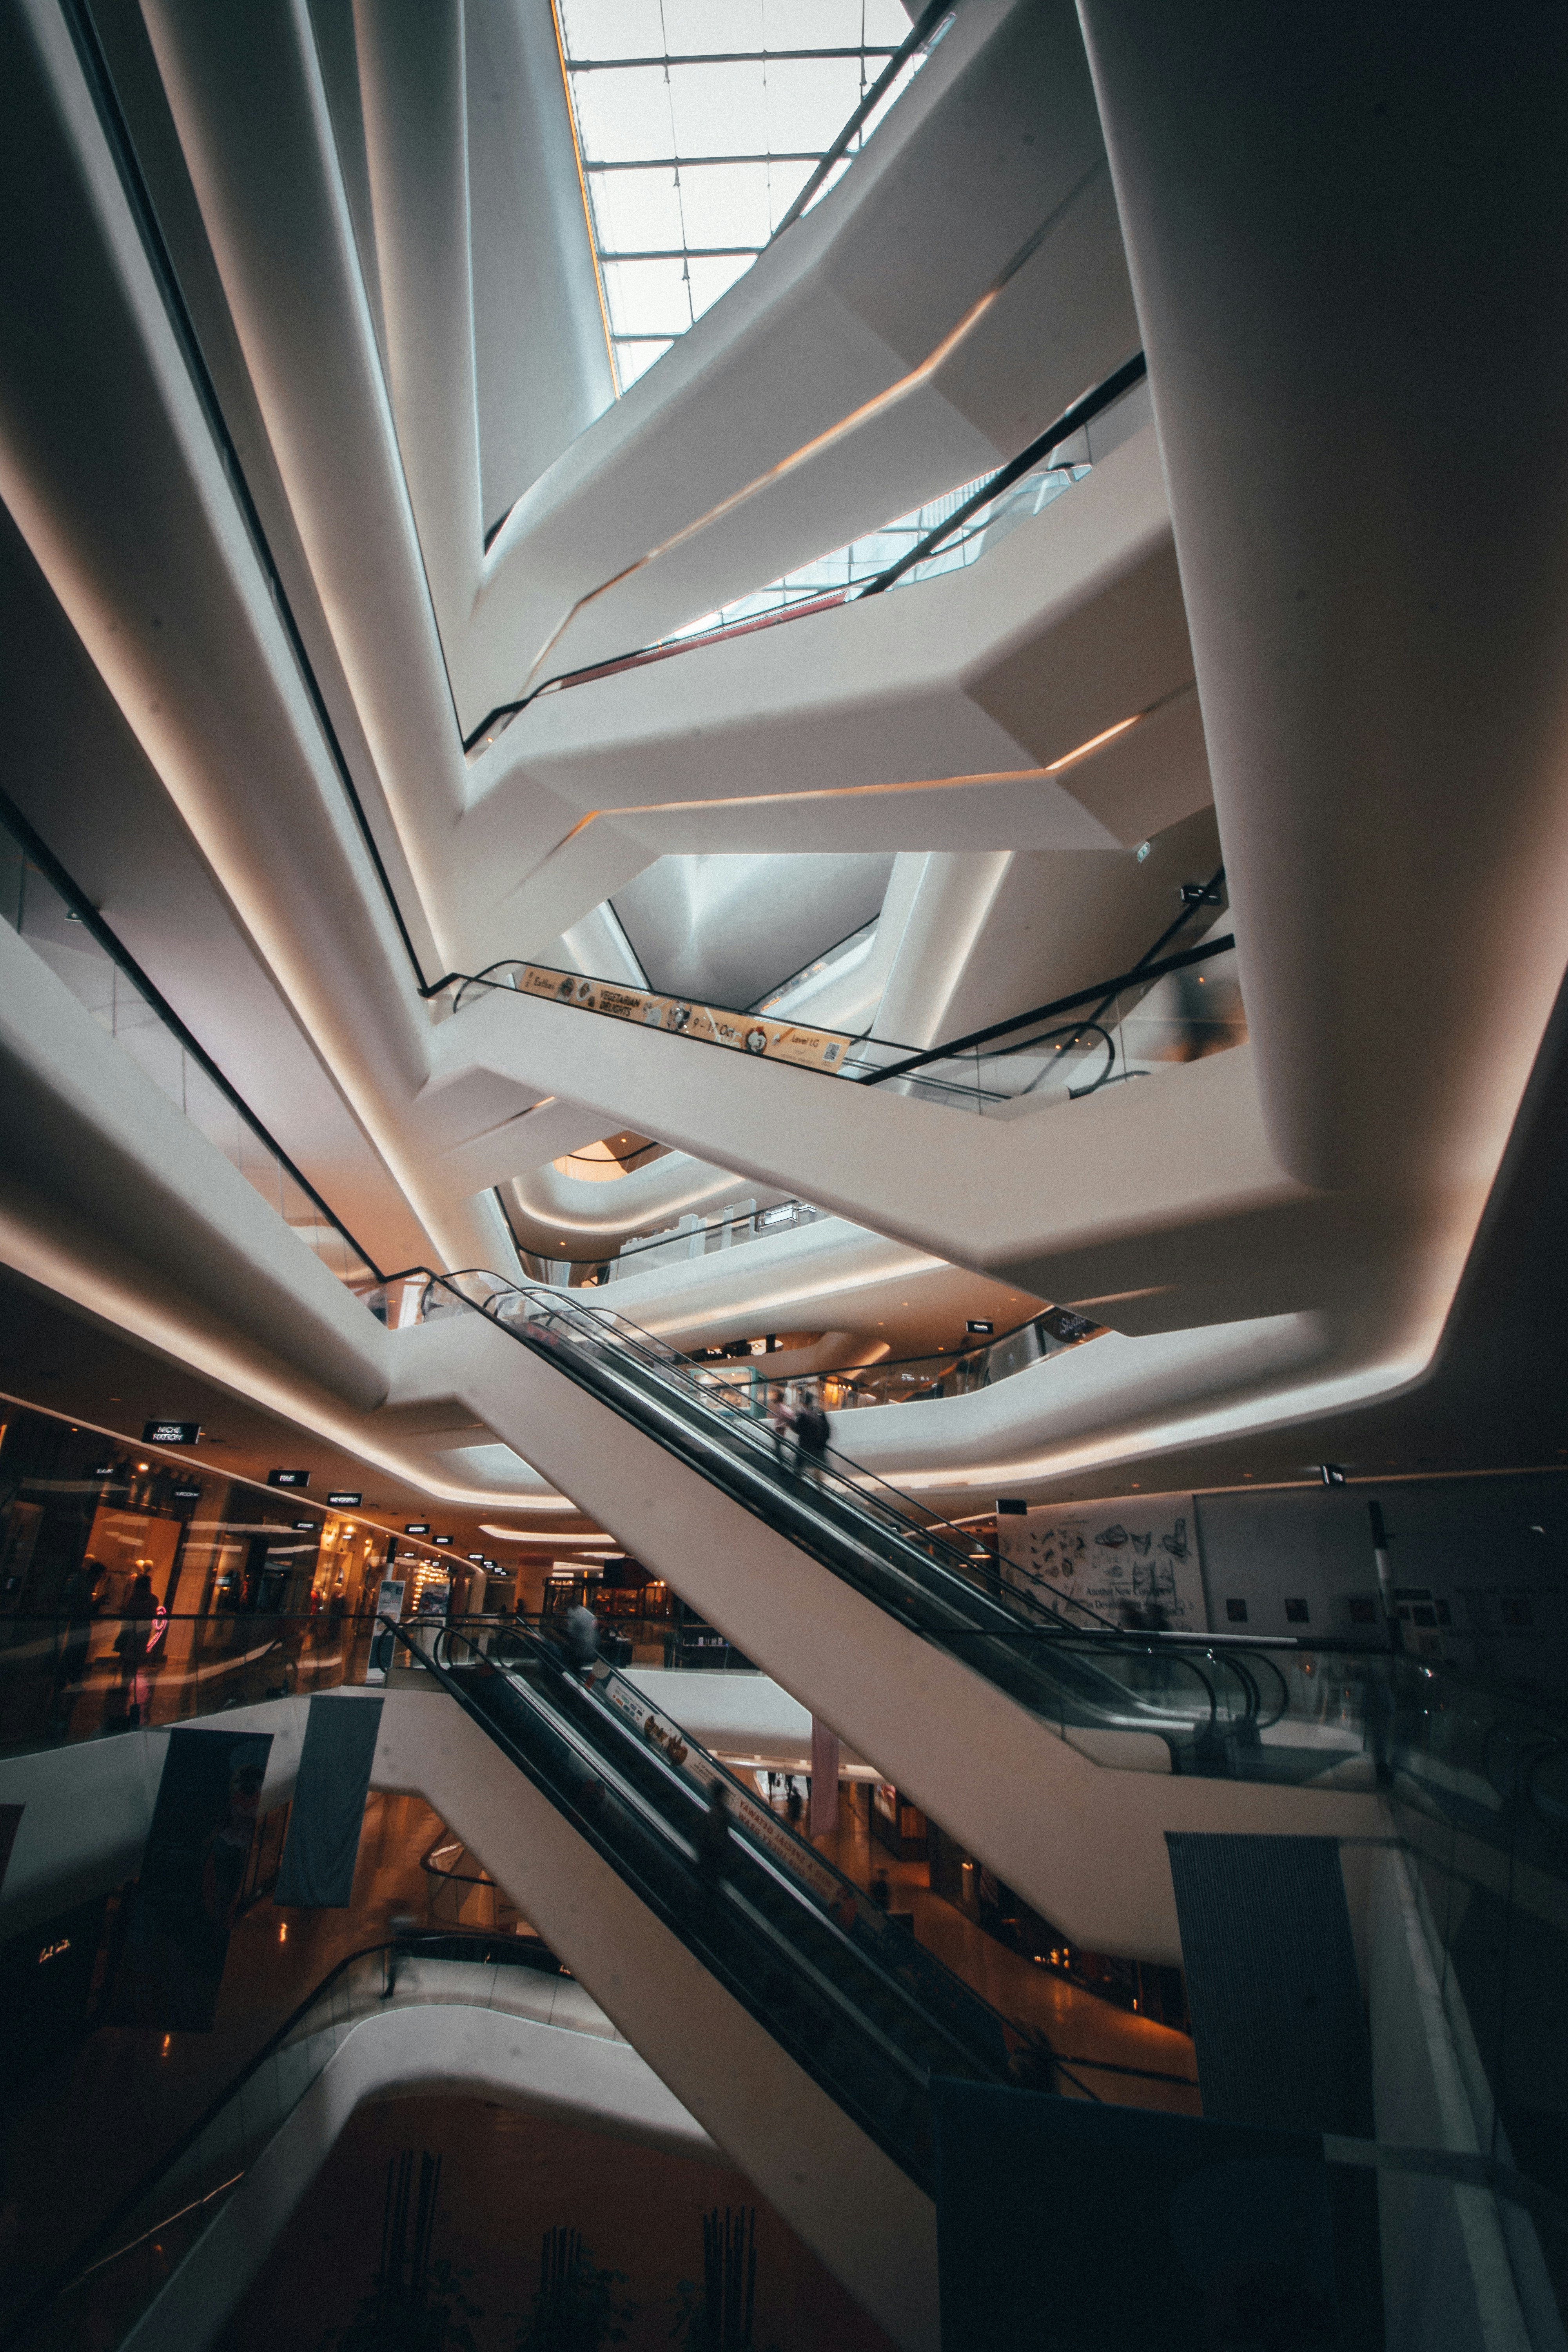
(1207, 1708)
(848, 1993)
(1058, 1750)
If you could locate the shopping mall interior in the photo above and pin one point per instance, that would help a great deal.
(537, 1818)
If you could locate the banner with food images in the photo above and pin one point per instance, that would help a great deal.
(1131, 1561)
(714, 1024)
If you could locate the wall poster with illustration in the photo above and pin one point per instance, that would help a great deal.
(1122, 1559)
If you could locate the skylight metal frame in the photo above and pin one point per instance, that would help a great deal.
(882, 64)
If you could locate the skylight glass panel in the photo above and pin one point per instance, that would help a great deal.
(698, 123)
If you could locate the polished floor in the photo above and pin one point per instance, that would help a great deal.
(92, 2125)
(1078, 2024)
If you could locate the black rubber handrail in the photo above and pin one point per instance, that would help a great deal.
(1072, 420)
(919, 33)
(81, 2261)
(685, 1920)
(1141, 975)
(38, 852)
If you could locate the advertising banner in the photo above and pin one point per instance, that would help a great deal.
(1133, 1560)
(333, 1780)
(193, 1871)
(383, 1647)
(744, 1032)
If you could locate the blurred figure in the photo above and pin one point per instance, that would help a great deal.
(811, 1441)
(138, 1610)
(782, 1420)
(582, 1640)
(713, 1839)
(79, 1606)
(882, 1893)
(795, 1805)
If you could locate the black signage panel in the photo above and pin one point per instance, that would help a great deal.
(305, 1527)
(417, 1527)
(443, 1540)
(101, 1470)
(344, 1499)
(187, 1494)
(171, 1433)
(287, 1477)
(477, 1558)
(981, 1330)
(1009, 1505)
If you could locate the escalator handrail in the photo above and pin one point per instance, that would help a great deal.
(761, 1924)
(966, 1590)
(67, 2273)
(767, 1854)
(681, 1925)
(1140, 976)
(854, 1481)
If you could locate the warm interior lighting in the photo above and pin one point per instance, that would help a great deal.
(1071, 759)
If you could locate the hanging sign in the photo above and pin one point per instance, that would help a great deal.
(287, 1477)
(344, 1499)
(712, 1025)
(1131, 1561)
(171, 1433)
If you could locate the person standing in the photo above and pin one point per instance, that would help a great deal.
(782, 1420)
(811, 1440)
(582, 1640)
(713, 1848)
(138, 1612)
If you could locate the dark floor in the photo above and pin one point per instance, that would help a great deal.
(505, 2177)
(91, 2126)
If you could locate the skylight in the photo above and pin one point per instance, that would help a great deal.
(698, 123)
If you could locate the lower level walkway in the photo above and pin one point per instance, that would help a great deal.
(1076, 2024)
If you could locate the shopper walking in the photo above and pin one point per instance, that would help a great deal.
(582, 1640)
(811, 1440)
(714, 1846)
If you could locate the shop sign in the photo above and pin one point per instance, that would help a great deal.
(417, 1527)
(979, 1330)
(478, 1559)
(712, 1025)
(305, 1527)
(442, 1539)
(171, 1433)
(187, 1494)
(287, 1477)
(343, 1500)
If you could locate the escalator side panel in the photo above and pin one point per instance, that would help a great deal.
(1083, 1843)
(850, 2204)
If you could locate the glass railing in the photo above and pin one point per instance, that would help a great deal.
(956, 1371)
(65, 1679)
(852, 1997)
(945, 535)
(1477, 1784)
(1135, 1029)
(110, 2279)
(1215, 1704)
(40, 902)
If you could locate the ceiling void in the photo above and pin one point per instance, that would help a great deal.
(698, 123)
(726, 928)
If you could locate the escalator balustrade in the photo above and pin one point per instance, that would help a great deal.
(855, 2000)
(1080, 1673)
